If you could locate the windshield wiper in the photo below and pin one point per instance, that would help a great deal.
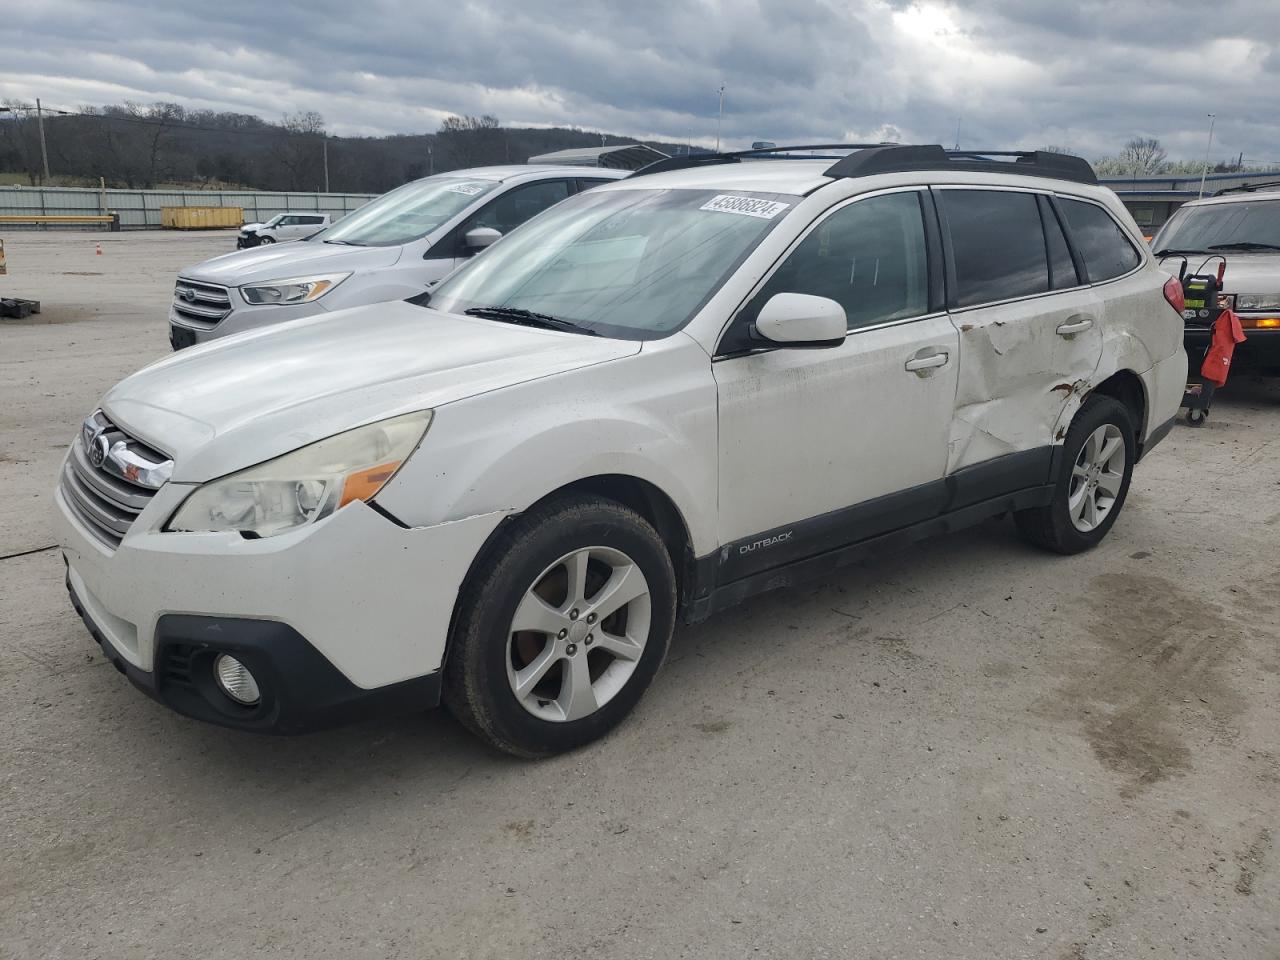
(528, 318)
(1245, 245)
(345, 243)
(1173, 252)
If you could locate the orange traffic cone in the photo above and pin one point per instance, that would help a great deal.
(98, 251)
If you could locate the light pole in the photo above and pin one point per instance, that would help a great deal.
(1207, 147)
(720, 118)
(44, 153)
(326, 162)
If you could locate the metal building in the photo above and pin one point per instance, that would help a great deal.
(1152, 200)
(623, 156)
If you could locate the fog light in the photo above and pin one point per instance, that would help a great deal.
(235, 680)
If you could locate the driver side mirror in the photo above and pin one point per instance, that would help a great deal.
(481, 237)
(801, 320)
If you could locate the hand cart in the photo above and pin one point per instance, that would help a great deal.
(1202, 306)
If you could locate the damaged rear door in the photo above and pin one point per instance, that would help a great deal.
(1030, 329)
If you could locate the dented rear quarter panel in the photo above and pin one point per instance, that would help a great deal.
(1139, 330)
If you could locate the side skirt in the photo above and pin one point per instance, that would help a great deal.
(702, 602)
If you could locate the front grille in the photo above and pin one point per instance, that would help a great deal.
(108, 497)
(201, 304)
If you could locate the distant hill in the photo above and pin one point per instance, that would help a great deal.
(136, 146)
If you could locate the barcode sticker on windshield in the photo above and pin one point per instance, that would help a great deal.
(746, 206)
(469, 189)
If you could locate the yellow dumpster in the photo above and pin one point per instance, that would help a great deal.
(201, 218)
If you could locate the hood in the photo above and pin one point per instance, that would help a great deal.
(247, 227)
(1251, 272)
(276, 261)
(1246, 272)
(243, 399)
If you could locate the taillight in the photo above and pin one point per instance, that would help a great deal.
(1173, 293)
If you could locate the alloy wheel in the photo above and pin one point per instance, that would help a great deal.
(578, 634)
(1097, 477)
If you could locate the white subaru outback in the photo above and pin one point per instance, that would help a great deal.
(648, 403)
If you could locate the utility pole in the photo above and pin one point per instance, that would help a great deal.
(326, 162)
(957, 133)
(44, 152)
(431, 162)
(1207, 147)
(720, 118)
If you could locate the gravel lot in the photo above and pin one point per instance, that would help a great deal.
(968, 750)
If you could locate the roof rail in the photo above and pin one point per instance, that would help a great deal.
(1248, 187)
(903, 159)
(737, 156)
(872, 158)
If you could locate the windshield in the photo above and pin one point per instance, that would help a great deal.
(407, 213)
(274, 220)
(1252, 223)
(634, 264)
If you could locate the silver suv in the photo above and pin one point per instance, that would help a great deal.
(393, 247)
(281, 227)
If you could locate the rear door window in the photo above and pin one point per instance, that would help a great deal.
(997, 244)
(1106, 250)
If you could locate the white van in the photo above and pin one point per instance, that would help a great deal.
(392, 248)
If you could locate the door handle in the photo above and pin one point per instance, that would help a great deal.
(1074, 325)
(921, 366)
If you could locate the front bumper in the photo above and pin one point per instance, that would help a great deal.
(301, 690)
(1261, 348)
(245, 241)
(373, 599)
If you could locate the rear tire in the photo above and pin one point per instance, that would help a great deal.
(592, 587)
(1098, 455)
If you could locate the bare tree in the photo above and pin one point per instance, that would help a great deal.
(471, 141)
(303, 154)
(1143, 155)
(159, 120)
(19, 139)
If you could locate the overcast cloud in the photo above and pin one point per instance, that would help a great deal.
(1019, 73)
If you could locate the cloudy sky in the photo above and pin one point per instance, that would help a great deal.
(1077, 73)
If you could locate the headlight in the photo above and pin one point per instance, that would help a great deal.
(306, 485)
(1258, 301)
(293, 290)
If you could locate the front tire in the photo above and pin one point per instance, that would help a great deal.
(562, 627)
(262, 240)
(1097, 465)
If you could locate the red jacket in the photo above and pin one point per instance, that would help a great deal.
(1226, 334)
